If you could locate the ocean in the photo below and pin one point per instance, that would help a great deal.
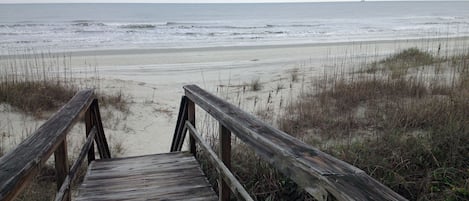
(75, 27)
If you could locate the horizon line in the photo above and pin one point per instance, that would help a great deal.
(240, 2)
(134, 2)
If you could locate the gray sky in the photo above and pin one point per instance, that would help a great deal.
(166, 1)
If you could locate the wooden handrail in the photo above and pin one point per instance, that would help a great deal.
(18, 166)
(221, 168)
(320, 174)
(65, 188)
(182, 116)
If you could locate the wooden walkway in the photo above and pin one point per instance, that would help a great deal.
(177, 175)
(170, 176)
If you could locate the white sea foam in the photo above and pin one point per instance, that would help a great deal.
(62, 27)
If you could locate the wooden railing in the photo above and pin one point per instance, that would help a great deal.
(19, 166)
(320, 174)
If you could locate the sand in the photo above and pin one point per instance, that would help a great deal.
(153, 79)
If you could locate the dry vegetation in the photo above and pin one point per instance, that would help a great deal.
(38, 85)
(409, 131)
(34, 83)
(403, 119)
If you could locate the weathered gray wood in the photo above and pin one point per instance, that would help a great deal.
(19, 165)
(307, 166)
(191, 118)
(224, 172)
(101, 142)
(172, 176)
(89, 125)
(225, 156)
(179, 134)
(61, 166)
(64, 191)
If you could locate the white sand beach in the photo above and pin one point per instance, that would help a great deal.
(153, 79)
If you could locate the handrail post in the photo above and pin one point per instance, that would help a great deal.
(19, 166)
(178, 137)
(89, 125)
(307, 166)
(225, 155)
(191, 118)
(61, 165)
(102, 144)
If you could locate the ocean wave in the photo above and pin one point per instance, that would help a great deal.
(88, 24)
(258, 33)
(25, 41)
(211, 34)
(80, 21)
(191, 34)
(275, 32)
(239, 34)
(90, 31)
(191, 25)
(138, 26)
(9, 34)
(249, 38)
(180, 23)
(306, 25)
(22, 25)
(445, 23)
(447, 18)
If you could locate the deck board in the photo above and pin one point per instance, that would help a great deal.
(170, 176)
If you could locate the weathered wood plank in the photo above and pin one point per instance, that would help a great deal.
(172, 176)
(225, 174)
(178, 136)
(101, 142)
(191, 118)
(88, 126)
(64, 191)
(307, 166)
(21, 163)
(61, 166)
(225, 156)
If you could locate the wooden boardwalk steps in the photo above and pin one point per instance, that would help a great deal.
(177, 175)
(170, 176)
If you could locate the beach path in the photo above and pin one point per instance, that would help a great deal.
(169, 176)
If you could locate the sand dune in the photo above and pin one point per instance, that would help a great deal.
(153, 79)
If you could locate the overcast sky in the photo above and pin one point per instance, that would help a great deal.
(166, 1)
(155, 1)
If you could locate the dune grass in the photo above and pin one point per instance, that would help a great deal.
(35, 84)
(255, 84)
(38, 85)
(400, 63)
(409, 131)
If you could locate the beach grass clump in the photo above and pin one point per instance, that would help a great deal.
(256, 84)
(294, 74)
(258, 177)
(280, 86)
(35, 97)
(38, 85)
(35, 84)
(399, 63)
(409, 132)
(405, 132)
(118, 100)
